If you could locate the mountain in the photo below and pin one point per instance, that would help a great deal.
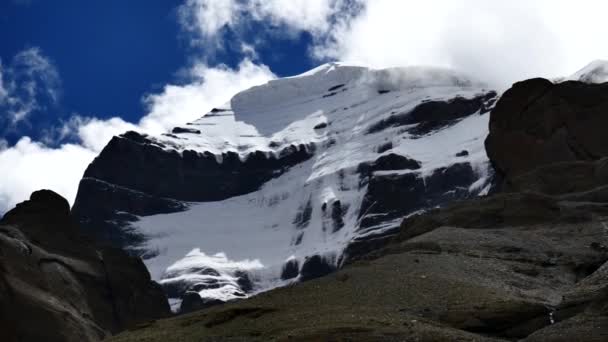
(527, 263)
(289, 180)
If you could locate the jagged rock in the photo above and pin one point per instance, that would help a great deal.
(390, 161)
(321, 125)
(181, 130)
(72, 288)
(316, 266)
(107, 191)
(189, 176)
(537, 123)
(291, 269)
(385, 147)
(463, 153)
(192, 301)
(392, 196)
(434, 115)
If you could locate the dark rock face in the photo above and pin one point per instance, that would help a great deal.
(434, 115)
(315, 267)
(151, 180)
(385, 147)
(393, 196)
(322, 125)
(70, 288)
(291, 270)
(106, 211)
(463, 153)
(538, 123)
(181, 130)
(189, 176)
(192, 301)
(388, 162)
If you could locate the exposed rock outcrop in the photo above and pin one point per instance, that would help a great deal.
(135, 175)
(537, 122)
(59, 286)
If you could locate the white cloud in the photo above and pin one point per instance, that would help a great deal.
(30, 165)
(23, 82)
(212, 86)
(207, 18)
(497, 41)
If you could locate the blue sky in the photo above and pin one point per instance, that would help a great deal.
(74, 73)
(120, 50)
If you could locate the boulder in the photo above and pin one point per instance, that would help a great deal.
(537, 123)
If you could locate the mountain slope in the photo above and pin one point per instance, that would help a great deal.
(290, 179)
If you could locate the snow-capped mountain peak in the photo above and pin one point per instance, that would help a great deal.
(291, 178)
(594, 72)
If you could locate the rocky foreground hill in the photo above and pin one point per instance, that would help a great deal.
(528, 263)
(58, 286)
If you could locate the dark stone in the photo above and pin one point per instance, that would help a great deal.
(291, 269)
(244, 281)
(105, 212)
(537, 123)
(315, 267)
(218, 110)
(385, 147)
(338, 211)
(383, 91)
(180, 130)
(336, 87)
(434, 115)
(321, 125)
(389, 197)
(463, 153)
(359, 248)
(192, 301)
(304, 215)
(73, 288)
(387, 162)
(333, 93)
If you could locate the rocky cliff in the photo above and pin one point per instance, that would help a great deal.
(56, 285)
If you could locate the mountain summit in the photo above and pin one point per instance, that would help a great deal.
(290, 179)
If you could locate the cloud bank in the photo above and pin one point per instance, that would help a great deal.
(496, 41)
